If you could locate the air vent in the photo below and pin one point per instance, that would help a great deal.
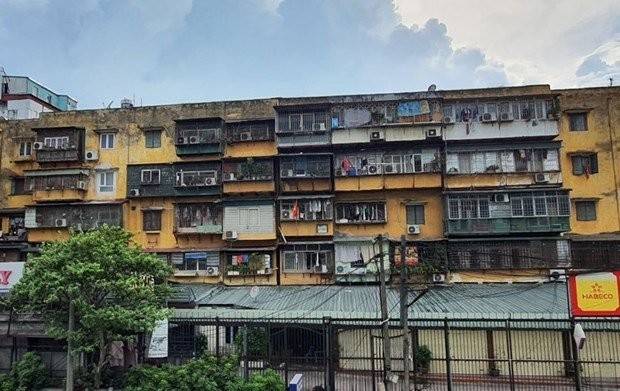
(413, 229)
(92, 155)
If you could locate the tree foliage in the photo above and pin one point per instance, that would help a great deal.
(116, 289)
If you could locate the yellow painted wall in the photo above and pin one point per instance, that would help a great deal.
(306, 278)
(603, 137)
(305, 185)
(249, 187)
(251, 149)
(379, 182)
(396, 224)
(305, 228)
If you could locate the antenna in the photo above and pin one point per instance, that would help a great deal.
(254, 292)
(432, 88)
(611, 81)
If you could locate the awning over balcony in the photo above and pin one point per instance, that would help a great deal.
(68, 171)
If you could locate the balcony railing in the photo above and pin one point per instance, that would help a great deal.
(500, 226)
(57, 155)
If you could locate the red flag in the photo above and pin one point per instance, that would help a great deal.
(295, 213)
(587, 171)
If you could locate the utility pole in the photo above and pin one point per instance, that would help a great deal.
(404, 310)
(385, 320)
(70, 328)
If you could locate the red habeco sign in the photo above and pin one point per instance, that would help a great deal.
(10, 274)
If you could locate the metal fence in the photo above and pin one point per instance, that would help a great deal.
(467, 354)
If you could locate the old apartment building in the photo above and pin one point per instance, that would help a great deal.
(488, 185)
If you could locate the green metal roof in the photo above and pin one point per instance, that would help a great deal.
(304, 303)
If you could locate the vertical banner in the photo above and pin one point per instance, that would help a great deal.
(595, 294)
(158, 348)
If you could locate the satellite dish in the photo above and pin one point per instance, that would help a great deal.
(254, 292)
(432, 88)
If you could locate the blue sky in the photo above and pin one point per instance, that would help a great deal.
(162, 52)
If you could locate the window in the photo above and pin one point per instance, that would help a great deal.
(18, 186)
(249, 217)
(56, 142)
(195, 261)
(578, 122)
(196, 178)
(105, 181)
(150, 177)
(363, 212)
(306, 209)
(586, 210)
(199, 136)
(539, 204)
(585, 164)
(198, 216)
(152, 138)
(106, 140)
(415, 214)
(471, 207)
(151, 220)
(307, 258)
(25, 148)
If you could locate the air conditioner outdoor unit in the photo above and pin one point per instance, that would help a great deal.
(37, 145)
(230, 235)
(448, 120)
(210, 181)
(92, 155)
(319, 126)
(60, 223)
(339, 172)
(340, 270)
(134, 192)
(502, 197)
(389, 169)
(488, 117)
(374, 169)
(413, 229)
(377, 136)
(82, 185)
(193, 139)
(439, 277)
(541, 178)
(285, 214)
(229, 176)
(286, 173)
(506, 117)
(430, 133)
(181, 140)
(245, 136)
(358, 271)
(213, 271)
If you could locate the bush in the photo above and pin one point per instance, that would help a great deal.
(28, 373)
(258, 343)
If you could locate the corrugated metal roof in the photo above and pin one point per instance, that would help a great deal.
(463, 301)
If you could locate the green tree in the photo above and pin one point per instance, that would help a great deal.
(115, 288)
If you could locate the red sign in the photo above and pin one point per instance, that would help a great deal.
(595, 294)
(10, 273)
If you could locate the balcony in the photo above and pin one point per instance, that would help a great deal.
(199, 137)
(52, 194)
(198, 219)
(58, 155)
(502, 226)
(197, 182)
